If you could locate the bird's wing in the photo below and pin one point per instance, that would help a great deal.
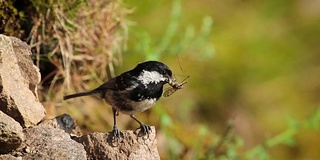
(122, 82)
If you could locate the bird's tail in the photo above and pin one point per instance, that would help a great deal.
(81, 94)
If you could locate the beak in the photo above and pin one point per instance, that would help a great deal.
(172, 81)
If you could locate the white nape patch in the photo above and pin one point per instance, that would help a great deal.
(147, 77)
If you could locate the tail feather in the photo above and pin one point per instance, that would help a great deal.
(80, 94)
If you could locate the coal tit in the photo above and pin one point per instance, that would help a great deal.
(133, 91)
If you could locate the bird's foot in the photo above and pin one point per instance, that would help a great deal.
(144, 130)
(115, 135)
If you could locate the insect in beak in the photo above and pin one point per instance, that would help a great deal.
(174, 86)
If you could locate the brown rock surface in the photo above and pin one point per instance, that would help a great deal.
(64, 122)
(18, 82)
(11, 135)
(9, 157)
(50, 143)
(99, 146)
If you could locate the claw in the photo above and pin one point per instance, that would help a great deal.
(116, 133)
(146, 129)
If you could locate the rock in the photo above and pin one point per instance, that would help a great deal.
(11, 135)
(19, 78)
(64, 122)
(50, 143)
(9, 157)
(99, 146)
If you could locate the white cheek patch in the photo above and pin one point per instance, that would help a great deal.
(147, 77)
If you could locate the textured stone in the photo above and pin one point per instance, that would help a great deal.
(64, 122)
(51, 143)
(19, 78)
(9, 157)
(11, 135)
(99, 146)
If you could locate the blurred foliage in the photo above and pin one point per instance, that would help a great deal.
(264, 68)
(80, 39)
(175, 41)
(10, 19)
(73, 41)
(253, 91)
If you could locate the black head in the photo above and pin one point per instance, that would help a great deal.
(153, 72)
(155, 66)
(148, 73)
(151, 76)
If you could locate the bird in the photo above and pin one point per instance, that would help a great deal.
(133, 91)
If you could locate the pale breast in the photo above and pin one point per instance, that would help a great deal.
(138, 107)
(119, 101)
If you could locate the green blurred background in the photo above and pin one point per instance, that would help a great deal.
(258, 68)
(253, 90)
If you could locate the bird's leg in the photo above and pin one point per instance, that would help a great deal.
(115, 131)
(144, 128)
